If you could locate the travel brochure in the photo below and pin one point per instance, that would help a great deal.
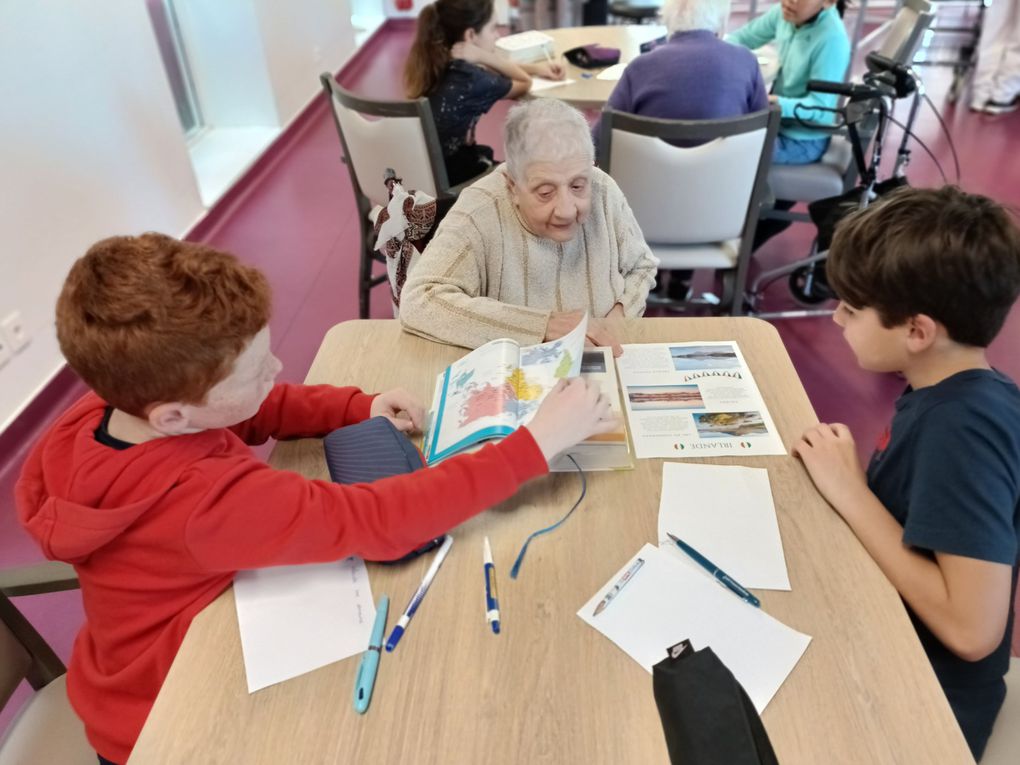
(694, 400)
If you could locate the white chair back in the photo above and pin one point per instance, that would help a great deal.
(374, 145)
(687, 195)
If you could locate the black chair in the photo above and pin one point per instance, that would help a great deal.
(634, 14)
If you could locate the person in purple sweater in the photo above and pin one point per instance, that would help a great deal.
(694, 75)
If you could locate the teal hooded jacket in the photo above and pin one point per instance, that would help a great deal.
(817, 50)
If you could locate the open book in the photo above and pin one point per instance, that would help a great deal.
(495, 389)
(603, 451)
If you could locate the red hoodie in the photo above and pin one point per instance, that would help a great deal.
(157, 531)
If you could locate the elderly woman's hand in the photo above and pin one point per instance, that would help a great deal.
(603, 332)
(600, 332)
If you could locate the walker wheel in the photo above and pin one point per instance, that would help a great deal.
(808, 285)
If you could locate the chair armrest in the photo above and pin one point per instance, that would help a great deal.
(821, 127)
(51, 576)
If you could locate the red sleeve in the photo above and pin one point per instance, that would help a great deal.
(304, 411)
(253, 516)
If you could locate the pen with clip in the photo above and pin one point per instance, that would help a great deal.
(416, 599)
(721, 576)
(627, 576)
(491, 599)
(365, 680)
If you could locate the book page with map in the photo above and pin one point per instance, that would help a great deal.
(495, 389)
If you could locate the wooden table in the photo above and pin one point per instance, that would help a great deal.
(550, 689)
(587, 91)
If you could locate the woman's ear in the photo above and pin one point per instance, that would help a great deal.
(470, 36)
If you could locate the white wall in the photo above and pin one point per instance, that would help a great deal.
(303, 38)
(91, 146)
(225, 52)
(90, 143)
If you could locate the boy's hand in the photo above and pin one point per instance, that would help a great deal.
(571, 412)
(829, 454)
(399, 407)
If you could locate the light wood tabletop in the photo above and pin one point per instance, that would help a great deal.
(549, 688)
(587, 91)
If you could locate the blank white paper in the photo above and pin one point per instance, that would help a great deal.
(726, 513)
(666, 602)
(294, 619)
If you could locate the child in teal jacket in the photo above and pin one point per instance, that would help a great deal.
(813, 45)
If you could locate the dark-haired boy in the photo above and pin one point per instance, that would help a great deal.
(926, 279)
(147, 486)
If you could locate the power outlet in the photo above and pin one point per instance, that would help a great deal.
(5, 352)
(14, 332)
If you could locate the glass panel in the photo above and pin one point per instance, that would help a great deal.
(175, 61)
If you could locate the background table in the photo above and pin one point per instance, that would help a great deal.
(589, 92)
(550, 689)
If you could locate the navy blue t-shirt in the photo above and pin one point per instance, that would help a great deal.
(949, 472)
(465, 93)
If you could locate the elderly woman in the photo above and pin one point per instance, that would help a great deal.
(694, 75)
(528, 248)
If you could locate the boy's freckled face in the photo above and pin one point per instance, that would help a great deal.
(239, 395)
(877, 348)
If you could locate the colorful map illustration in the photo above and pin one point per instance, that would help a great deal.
(496, 388)
(516, 396)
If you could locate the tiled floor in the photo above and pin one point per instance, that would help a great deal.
(296, 221)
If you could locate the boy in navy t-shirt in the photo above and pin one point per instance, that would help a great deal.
(926, 279)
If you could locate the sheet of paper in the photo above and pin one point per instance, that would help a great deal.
(541, 83)
(611, 73)
(666, 602)
(294, 619)
(726, 514)
(694, 400)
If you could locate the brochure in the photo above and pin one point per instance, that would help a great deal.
(694, 400)
(495, 389)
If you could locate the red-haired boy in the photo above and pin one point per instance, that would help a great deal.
(147, 485)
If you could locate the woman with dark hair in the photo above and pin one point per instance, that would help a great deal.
(454, 62)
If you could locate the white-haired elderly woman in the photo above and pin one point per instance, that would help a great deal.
(528, 248)
(695, 75)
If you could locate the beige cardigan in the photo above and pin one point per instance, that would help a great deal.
(485, 276)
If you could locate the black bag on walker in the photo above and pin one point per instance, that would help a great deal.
(706, 715)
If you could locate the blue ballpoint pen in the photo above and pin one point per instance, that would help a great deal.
(491, 601)
(365, 680)
(721, 576)
(416, 599)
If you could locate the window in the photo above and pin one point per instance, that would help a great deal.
(175, 61)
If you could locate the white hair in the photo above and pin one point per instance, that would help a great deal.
(690, 15)
(544, 130)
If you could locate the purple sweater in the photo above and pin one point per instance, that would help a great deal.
(693, 76)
